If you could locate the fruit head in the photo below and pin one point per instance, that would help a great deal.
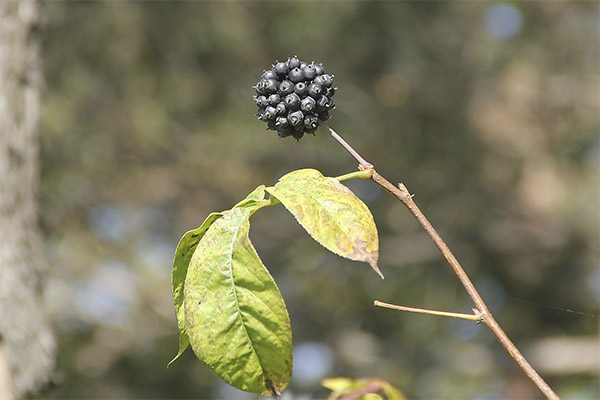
(293, 96)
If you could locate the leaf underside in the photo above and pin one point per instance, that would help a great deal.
(183, 255)
(331, 214)
(235, 316)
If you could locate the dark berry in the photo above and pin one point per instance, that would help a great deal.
(308, 104)
(296, 118)
(281, 122)
(324, 115)
(301, 89)
(280, 68)
(274, 99)
(286, 87)
(261, 114)
(261, 101)
(298, 133)
(330, 91)
(293, 62)
(296, 75)
(319, 69)
(309, 72)
(322, 103)
(285, 131)
(271, 125)
(327, 80)
(267, 86)
(270, 74)
(311, 122)
(292, 101)
(270, 112)
(281, 108)
(315, 90)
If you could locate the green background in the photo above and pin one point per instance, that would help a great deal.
(487, 111)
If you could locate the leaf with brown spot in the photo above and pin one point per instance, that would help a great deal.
(331, 214)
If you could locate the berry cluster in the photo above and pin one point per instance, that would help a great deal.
(293, 96)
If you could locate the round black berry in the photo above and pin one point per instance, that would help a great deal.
(301, 89)
(315, 90)
(261, 101)
(284, 131)
(261, 114)
(298, 133)
(308, 104)
(270, 74)
(324, 115)
(319, 69)
(281, 109)
(311, 122)
(267, 86)
(296, 118)
(280, 69)
(296, 75)
(286, 87)
(274, 99)
(327, 80)
(281, 122)
(293, 62)
(292, 101)
(309, 72)
(270, 112)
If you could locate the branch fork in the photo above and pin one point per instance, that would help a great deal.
(481, 313)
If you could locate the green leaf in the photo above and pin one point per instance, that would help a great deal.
(331, 214)
(235, 316)
(183, 255)
(361, 389)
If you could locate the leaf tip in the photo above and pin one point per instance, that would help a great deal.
(376, 269)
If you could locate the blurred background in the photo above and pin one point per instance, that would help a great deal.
(487, 111)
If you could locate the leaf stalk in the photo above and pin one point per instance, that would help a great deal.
(364, 174)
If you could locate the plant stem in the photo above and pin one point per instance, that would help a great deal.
(471, 317)
(482, 311)
(364, 174)
(349, 148)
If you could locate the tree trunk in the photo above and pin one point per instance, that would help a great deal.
(26, 341)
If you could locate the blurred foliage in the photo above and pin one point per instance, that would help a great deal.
(487, 111)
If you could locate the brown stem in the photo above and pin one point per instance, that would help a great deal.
(485, 316)
(402, 194)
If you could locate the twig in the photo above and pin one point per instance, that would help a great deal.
(484, 315)
(471, 317)
(354, 153)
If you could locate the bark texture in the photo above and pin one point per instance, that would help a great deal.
(26, 341)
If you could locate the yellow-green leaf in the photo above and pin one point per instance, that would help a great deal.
(235, 316)
(331, 214)
(361, 389)
(183, 255)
